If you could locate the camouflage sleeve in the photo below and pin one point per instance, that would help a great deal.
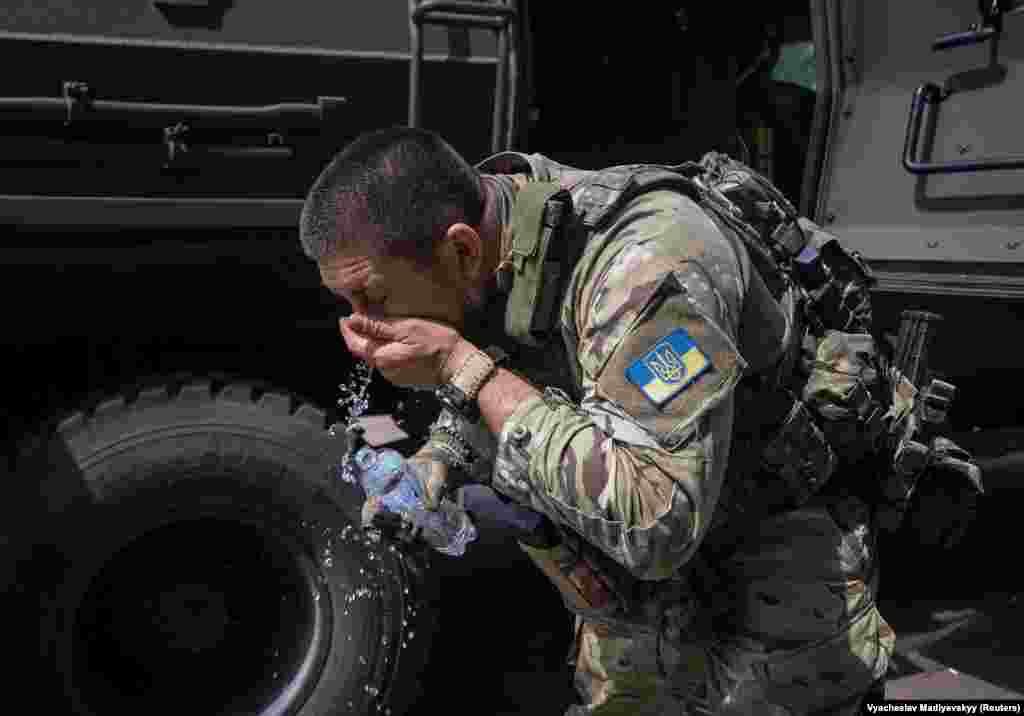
(636, 467)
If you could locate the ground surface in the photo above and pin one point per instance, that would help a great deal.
(967, 649)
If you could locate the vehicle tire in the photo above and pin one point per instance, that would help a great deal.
(191, 551)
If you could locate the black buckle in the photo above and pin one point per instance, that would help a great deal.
(453, 398)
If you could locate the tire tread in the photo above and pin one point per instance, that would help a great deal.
(192, 389)
(276, 403)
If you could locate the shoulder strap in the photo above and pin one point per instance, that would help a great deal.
(601, 195)
(515, 163)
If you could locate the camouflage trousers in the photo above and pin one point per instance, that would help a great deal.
(819, 644)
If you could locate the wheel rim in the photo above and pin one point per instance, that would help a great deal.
(210, 614)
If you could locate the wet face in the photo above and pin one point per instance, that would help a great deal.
(392, 287)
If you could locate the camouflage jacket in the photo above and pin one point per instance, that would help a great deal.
(653, 320)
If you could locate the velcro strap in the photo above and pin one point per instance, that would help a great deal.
(610, 189)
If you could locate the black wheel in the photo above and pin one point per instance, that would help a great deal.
(191, 551)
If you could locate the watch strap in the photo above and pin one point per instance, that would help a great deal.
(476, 369)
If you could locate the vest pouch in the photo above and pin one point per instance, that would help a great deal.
(584, 590)
(602, 592)
(540, 257)
(841, 393)
(800, 455)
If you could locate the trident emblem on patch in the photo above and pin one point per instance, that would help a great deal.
(666, 364)
(672, 364)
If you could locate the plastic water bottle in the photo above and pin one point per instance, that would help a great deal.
(384, 473)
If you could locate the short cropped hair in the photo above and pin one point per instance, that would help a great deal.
(400, 187)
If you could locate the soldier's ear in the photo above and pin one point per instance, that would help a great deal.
(467, 249)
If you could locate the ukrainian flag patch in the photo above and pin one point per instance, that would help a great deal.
(668, 368)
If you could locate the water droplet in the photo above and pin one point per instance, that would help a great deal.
(354, 399)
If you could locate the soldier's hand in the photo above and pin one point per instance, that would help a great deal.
(409, 352)
(437, 478)
(945, 502)
(377, 516)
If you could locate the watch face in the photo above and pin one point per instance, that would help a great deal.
(455, 395)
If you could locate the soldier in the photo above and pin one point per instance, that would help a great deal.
(638, 432)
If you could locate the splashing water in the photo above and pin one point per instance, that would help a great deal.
(354, 401)
(354, 395)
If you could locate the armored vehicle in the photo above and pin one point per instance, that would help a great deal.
(172, 512)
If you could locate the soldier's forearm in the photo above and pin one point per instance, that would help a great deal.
(500, 396)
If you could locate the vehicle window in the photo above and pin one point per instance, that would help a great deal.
(796, 65)
(776, 93)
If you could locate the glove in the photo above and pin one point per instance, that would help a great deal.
(438, 471)
(430, 466)
(945, 500)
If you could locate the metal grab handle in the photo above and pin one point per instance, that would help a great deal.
(973, 36)
(181, 151)
(77, 105)
(932, 93)
(463, 14)
(499, 17)
(988, 28)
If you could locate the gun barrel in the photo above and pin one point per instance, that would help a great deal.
(916, 334)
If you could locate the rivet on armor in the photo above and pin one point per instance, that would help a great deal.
(520, 436)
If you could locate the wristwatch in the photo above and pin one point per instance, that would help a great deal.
(459, 394)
